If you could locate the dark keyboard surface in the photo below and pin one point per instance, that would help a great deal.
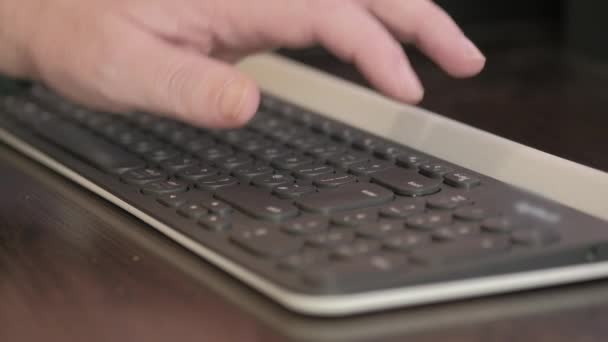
(305, 202)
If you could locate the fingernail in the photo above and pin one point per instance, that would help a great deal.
(232, 98)
(471, 50)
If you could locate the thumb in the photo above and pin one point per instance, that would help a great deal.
(153, 75)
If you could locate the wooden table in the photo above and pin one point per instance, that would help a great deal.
(74, 268)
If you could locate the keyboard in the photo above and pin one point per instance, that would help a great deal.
(322, 217)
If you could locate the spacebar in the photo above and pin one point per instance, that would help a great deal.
(87, 146)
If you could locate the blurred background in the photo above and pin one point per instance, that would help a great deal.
(546, 80)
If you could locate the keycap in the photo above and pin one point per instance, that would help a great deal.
(535, 236)
(255, 144)
(216, 182)
(273, 152)
(406, 241)
(88, 147)
(234, 161)
(247, 173)
(331, 238)
(214, 152)
(471, 213)
(501, 224)
(406, 183)
(196, 173)
(161, 154)
(179, 163)
(266, 242)
(389, 151)
(434, 170)
(403, 208)
(379, 230)
(216, 207)
(198, 144)
(474, 248)
(456, 231)
(461, 180)
(327, 151)
(304, 260)
(145, 145)
(354, 218)
(411, 161)
(292, 162)
(293, 190)
(312, 171)
(369, 168)
(448, 201)
(345, 160)
(307, 141)
(172, 200)
(367, 143)
(271, 181)
(215, 223)
(164, 187)
(368, 271)
(257, 203)
(306, 225)
(192, 210)
(355, 249)
(349, 196)
(429, 221)
(143, 176)
(334, 180)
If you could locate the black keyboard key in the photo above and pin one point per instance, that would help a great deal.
(181, 135)
(306, 225)
(192, 210)
(354, 218)
(271, 181)
(143, 176)
(88, 147)
(266, 242)
(293, 190)
(389, 152)
(406, 183)
(471, 213)
(327, 151)
(179, 163)
(499, 224)
(535, 237)
(347, 135)
(345, 160)
(196, 173)
(199, 143)
(369, 168)
(255, 144)
(173, 200)
(292, 162)
(355, 249)
(331, 238)
(216, 182)
(215, 152)
(307, 141)
(165, 187)
(435, 170)
(312, 171)
(350, 196)
(304, 260)
(216, 207)
(234, 161)
(129, 138)
(461, 180)
(429, 221)
(380, 230)
(247, 173)
(369, 271)
(215, 223)
(448, 201)
(411, 161)
(334, 180)
(456, 231)
(403, 208)
(161, 154)
(237, 136)
(257, 203)
(273, 152)
(367, 143)
(474, 248)
(145, 145)
(406, 241)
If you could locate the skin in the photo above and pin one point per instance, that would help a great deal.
(175, 56)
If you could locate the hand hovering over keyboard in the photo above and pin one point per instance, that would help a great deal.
(174, 56)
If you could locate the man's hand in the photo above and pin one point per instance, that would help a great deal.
(173, 56)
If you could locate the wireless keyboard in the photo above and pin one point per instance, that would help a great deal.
(321, 216)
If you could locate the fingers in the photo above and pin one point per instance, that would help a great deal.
(353, 35)
(433, 31)
(153, 75)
